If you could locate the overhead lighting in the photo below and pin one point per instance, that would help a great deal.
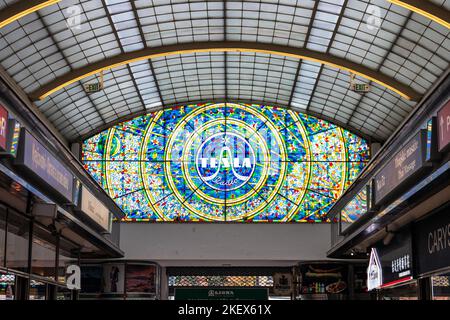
(427, 9)
(21, 9)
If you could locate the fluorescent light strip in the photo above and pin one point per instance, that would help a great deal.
(427, 9)
(21, 9)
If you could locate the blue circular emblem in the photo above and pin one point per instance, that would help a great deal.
(225, 161)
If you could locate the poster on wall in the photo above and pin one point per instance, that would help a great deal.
(113, 278)
(141, 278)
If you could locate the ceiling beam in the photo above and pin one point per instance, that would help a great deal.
(21, 9)
(427, 9)
(225, 46)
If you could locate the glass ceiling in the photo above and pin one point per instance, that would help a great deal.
(405, 46)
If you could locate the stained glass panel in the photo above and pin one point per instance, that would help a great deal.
(225, 162)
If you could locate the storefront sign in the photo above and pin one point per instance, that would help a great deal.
(35, 157)
(406, 164)
(444, 127)
(95, 209)
(282, 284)
(396, 259)
(73, 277)
(3, 128)
(374, 271)
(432, 238)
(221, 294)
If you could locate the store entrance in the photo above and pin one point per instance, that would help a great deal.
(232, 283)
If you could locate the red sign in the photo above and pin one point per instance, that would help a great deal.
(3, 127)
(444, 127)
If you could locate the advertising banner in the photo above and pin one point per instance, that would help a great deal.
(140, 278)
(402, 168)
(3, 128)
(444, 127)
(95, 209)
(432, 240)
(36, 158)
(113, 278)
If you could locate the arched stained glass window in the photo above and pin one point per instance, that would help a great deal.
(225, 162)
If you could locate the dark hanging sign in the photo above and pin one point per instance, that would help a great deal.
(432, 240)
(396, 260)
(444, 127)
(43, 166)
(406, 165)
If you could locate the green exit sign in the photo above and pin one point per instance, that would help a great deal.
(361, 87)
(92, 87)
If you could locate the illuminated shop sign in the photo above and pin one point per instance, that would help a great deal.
(374, 271)
(46, 168)
(432, 239)
(94, 208)
(3, 128)
(225, 162)
(391, 262)
(444, 127)
(407, 164)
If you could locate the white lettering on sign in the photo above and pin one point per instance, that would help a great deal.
(444, 125)
(406, 153)
(43, 163)
(94, 208)
(401, 264)
(439, 239)
(73, 279)
(381, 182)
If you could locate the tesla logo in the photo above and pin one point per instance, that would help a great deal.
(225, 161)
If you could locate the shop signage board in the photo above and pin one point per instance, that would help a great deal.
(396, 260)
(46, 168)
(3, 128)
(374, 271)
(432, 242)
(73, 277)
(407, 164)
(96, 210)
(221, 294)
(444, 127)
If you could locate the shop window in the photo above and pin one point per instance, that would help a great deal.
(43, 260)
(63, 293)
(408, 291)
(7, 286)
(91, 279)
(38, 290)
(441, 287)
(2, 236)
(17, 242)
